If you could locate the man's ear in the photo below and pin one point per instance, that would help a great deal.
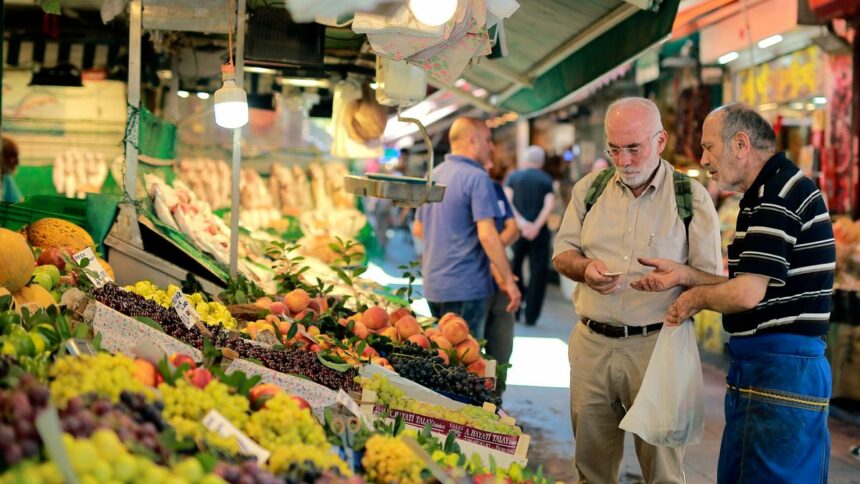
(741, 144)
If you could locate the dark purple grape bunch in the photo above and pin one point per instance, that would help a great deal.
(247, 472)
(19, 407)
(425, 367)
(133, 420)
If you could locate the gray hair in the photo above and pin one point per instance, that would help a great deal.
(535, 157)
(739, 118)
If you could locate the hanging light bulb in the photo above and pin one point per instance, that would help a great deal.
(433, 12)
(231, 102)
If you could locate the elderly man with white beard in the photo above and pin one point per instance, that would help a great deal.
(639, 208)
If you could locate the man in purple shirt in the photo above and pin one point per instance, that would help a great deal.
(460, 237)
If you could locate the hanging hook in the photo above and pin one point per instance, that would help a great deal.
(429, 144)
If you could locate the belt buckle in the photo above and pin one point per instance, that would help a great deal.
(626, 331)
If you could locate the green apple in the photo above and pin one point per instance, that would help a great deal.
(43, 279)
(51, 270)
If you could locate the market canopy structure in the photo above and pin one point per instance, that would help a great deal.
(558, 47)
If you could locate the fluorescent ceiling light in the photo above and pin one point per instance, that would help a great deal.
(203, 95)
(539, 362)
(304, 82)
(182, 94)
(819, 100)
(693, 172)
(480, 92)
(772, 40)
(260, 70)
(726, 58)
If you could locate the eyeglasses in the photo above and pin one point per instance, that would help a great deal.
(615, 151)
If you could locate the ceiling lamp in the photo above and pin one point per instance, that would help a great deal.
(231, 102)
(433, 12)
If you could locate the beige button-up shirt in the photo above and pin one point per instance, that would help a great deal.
(620, 228)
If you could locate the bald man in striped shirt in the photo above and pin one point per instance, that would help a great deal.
(776, 305)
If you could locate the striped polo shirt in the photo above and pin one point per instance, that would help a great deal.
(784, 233)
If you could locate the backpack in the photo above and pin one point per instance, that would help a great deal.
(683, 194)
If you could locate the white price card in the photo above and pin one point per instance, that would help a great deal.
(344, 399)
(185, 310)
(95, 271)
(216, 422)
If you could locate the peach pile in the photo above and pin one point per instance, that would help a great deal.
(451, 337)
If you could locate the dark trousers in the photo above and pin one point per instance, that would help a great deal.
(499, 332)
(537, 251)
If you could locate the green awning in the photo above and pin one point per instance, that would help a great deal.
(611, 49)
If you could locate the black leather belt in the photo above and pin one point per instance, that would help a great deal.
(620, 330)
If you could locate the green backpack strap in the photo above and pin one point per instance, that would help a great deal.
(683, 194)
(683, 198)
(596, 188)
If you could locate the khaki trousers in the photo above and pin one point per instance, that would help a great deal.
(605, 376)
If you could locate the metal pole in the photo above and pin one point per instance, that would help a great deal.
(126, 225)
(130, 179)
(237, 144)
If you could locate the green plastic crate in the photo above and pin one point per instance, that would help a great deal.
(95, 214)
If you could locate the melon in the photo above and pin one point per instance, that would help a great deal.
(34, 296)
(54, 232)
(16, 260)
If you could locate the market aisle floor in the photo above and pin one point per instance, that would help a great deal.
(544, 412)
(540, 358)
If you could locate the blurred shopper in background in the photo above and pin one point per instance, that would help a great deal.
(499, 330)
(8, 165)
(533, 199)
(459, 233)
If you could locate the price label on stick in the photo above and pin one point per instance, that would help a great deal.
(216, 422)
(344, 399)
(94, 269)
(186, 312)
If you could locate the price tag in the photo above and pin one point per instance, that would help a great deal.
(94, 270)
(267, 337)
(344, 399)
(186, 312)
(216, 422)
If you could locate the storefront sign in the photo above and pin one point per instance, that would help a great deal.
(800, 75)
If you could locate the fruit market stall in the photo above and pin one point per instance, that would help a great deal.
(299, 385)
(844, 338)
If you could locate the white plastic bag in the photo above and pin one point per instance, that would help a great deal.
(669, 409)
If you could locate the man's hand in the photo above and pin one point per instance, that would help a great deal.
(666, 275)
(530, 231)
(685, 307)
(595, 278)
(514, 296)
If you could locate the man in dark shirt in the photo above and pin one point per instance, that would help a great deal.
(534, 201)
(776, 305)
